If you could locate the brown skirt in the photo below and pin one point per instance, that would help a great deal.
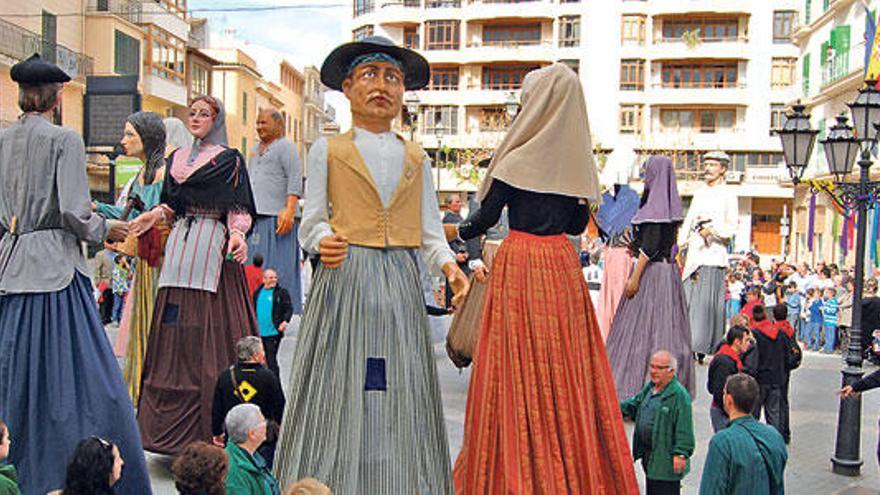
(192, 340)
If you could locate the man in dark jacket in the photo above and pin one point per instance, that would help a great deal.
(727, 361)
(249, 382)
(274, 309)
(663, 437)
(768, 362)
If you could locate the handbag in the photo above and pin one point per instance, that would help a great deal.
(461, 341)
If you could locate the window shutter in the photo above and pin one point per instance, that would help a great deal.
(806, 74)
(823, 54)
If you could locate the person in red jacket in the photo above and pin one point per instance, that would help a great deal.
(726, 362)
(254, 273)
(780, 314)
(768, 362)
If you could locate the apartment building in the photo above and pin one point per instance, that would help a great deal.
(56, 30)
(831, 38)
(675, 77)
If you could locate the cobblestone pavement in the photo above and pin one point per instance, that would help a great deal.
(813, 421)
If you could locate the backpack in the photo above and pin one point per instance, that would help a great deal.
(793, 354)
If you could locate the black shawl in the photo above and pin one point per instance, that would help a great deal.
(222, 185)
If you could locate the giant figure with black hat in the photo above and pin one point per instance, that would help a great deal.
(365, 414)
(59, 380)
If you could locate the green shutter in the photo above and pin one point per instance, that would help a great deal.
(825, 4)
(823, 54)
(840, 40)
(806, 73)
(807, 12)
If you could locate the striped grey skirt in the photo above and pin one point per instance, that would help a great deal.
(704, 292)
(365, 413)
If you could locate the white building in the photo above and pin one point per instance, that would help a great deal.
(831, 39)
(679, 77)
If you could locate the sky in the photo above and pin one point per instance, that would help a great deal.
(303, 34)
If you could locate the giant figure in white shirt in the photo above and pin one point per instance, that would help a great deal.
(707, 232)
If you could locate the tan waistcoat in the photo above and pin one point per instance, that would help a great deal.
(356, 210)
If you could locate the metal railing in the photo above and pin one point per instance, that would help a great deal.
(510, 43)
(705, 39)
(130, 10)
(840, 65)
(19, 43)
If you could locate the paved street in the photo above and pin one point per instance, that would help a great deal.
(813, 421)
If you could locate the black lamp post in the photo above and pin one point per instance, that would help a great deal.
(412, 103)
(842, 146)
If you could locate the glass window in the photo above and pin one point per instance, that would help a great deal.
(126, 54)
(570, 30)
(784, 23)
(442, 35)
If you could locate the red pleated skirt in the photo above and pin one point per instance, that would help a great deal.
(542, 411)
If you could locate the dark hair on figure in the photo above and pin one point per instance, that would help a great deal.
(780, 312)
(759, 313)
(38, 97)
(744, 391)
(258, 260)
(736, 332)
(89, 468)
(200, 470)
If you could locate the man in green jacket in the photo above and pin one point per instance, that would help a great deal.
(747, 457)
(664, 434)
(248, 473)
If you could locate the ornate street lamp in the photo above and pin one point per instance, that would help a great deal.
(841, 148)
(866, 111)
(412, 103)
(511, 106)
(797, 141)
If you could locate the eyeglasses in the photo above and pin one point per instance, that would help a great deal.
(201, 114)
(656, 367)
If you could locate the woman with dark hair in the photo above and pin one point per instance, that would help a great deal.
(200, 470)
(144, 139)
(652, 316)
(202, 306)
(93, 469)
(541, 407)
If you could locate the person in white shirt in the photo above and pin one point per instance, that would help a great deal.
(707, 231)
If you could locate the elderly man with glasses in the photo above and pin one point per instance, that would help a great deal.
(664, 434)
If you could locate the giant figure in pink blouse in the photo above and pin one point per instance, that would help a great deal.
(202, 307)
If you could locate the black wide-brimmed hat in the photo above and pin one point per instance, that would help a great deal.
(416, 70)
(35, 70)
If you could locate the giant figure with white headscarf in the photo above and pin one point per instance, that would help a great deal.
(203, 305)
(542, 413)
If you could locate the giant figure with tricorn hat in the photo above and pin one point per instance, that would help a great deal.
(59, 380)
(365, 414)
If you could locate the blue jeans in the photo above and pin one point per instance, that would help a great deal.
(814, 331)
(830, 333)
(118, 303)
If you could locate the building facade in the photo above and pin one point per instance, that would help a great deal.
(832, 39)
(673, 77)
(56, 29)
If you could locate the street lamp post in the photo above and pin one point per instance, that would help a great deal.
(412, 103)
(511, 106)
(841, 149)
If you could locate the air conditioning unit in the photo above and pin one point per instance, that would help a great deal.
(733, 177)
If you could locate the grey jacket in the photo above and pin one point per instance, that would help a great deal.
(45, 207)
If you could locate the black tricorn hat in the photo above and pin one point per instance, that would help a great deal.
(35, 70)
(416, 70)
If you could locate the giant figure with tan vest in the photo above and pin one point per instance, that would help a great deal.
(365, 415)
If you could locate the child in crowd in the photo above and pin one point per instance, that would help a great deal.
(8, 476)
(814, 324)
(830, 308)
(735, 287)
(793, 303)
(753, 298)
(121, 285)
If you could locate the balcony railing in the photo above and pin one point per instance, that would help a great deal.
(705, 39)
(698, 85)
(19, 43)
(437, 4)
(510, 43)
(130, 10)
